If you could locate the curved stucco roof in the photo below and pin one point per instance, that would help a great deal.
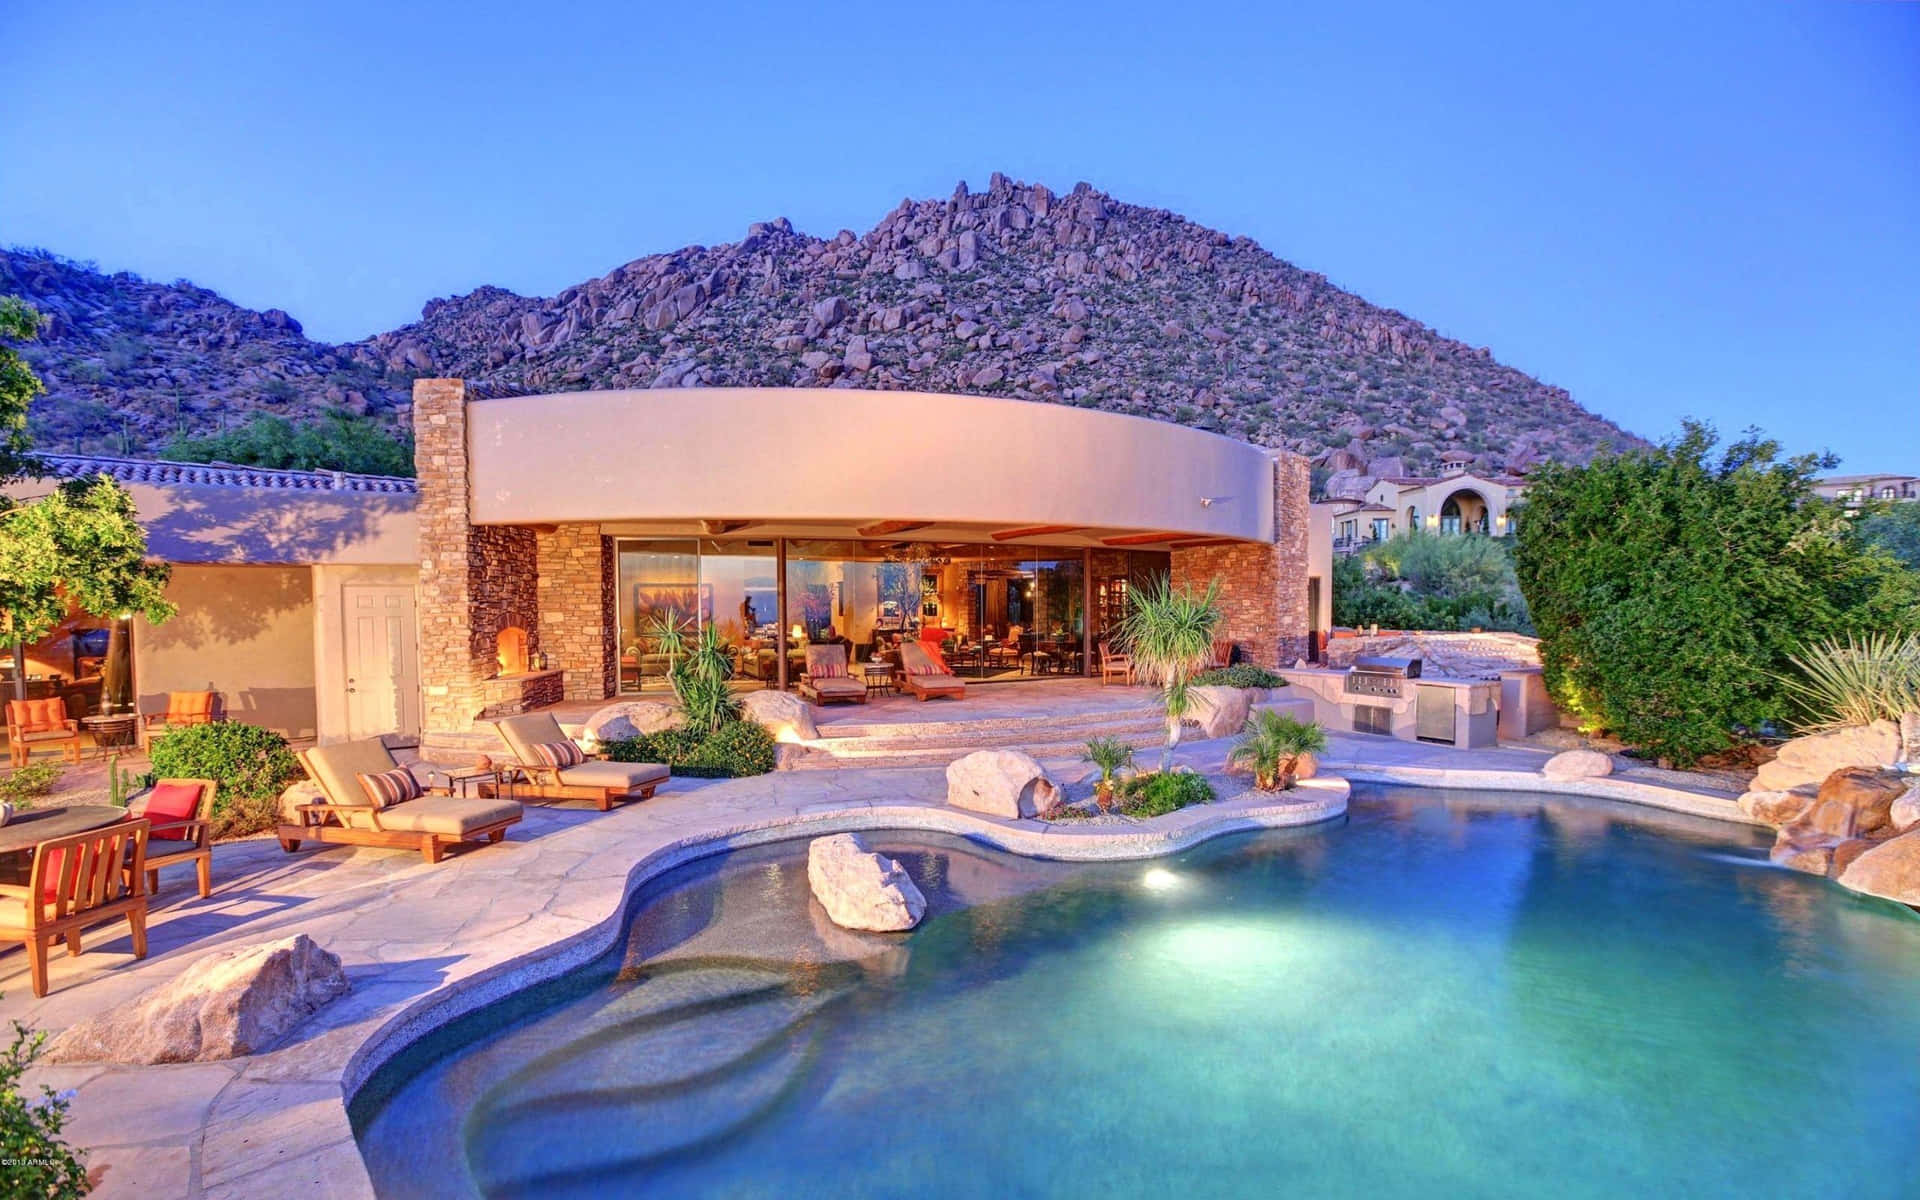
(851, 455)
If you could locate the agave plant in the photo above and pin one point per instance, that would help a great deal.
(1272, 745)
(1111, 755)
(701, 679)
(1169, 632)
(1855, 681)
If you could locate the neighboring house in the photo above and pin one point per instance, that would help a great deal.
(1459, 500)
(547, 536)
(295, 592)
(1853, 489)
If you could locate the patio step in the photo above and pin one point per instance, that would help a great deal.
(829, 753)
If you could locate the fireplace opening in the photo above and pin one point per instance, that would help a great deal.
(510, 650)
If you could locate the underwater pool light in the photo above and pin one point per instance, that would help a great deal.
(1159, 879)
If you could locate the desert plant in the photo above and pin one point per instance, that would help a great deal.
(34, 1159)
(1272, 745)
(250, 764)
(1111, 755)
(25, 784)
(120, 783)
(1169, 632)
(701, 682)
(1160, 792)
(736, 749)
(1855, 681)
(1240, 675)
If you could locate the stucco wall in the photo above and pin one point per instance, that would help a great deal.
(245, 632)
(811, 454)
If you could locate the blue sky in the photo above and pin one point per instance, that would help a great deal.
(1670, 210)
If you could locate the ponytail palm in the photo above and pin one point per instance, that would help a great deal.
(1169, 632)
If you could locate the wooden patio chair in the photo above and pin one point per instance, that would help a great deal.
(351, 774)
(827, 680)
(75, 883)
(924, 675)
(180, 812)
(42, 722)
(183, 709)
(1222, 652)
(559, 770)
(1114, 665)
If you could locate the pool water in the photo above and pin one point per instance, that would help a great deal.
(1449, 993)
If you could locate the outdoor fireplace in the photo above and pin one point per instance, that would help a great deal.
(510, 651)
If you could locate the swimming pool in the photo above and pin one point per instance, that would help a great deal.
(1448, 993)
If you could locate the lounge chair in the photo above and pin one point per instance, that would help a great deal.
(541, 750)
(45, 722)
(827, 680)
(926, 675)
(183, 709)
(180, 812)
(77, 882)
(352, 774)
(1114, 665)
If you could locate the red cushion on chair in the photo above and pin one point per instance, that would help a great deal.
(170, 804)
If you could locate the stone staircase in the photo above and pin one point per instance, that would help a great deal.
(1050, 739)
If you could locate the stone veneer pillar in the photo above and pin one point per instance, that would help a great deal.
(576, 607)
(1263, 588)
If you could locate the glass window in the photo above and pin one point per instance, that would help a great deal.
(657, 582)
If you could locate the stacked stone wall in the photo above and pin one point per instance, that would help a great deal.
(1263, 588)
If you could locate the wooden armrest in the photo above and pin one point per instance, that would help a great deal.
(181, 831)
(151, 718)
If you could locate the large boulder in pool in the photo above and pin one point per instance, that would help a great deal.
(1777, 808)
(630, 719)
(1809, 760)
(1002, 783)
(1857, 802)
(861, 889)
(224, 1005)
(787, 717)
(1890, 870)
(1218, 711)
(1577, 764)
(1904, 813)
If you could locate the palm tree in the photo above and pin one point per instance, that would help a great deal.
(1272, 744)
(1111, 755)
(1170, 634)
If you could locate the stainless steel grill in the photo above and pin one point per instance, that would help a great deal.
(1381, 675)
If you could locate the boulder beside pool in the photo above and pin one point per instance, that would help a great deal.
(861, 889)
(1577, 764)
(225, 1005)
(1890, 870)
(1002, 783)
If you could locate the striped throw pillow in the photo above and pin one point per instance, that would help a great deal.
(558, 754)
(387, 788)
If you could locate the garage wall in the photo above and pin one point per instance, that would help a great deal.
(245, 632)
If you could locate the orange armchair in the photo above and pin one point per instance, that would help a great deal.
(183, 708)
(40, 722)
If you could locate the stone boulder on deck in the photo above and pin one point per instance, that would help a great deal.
(227, 1004)
(1218, 711)
(630, 719)
(787, 717)
(1002, 783)
(1809, 760)
(1577, 764)
(860, 889)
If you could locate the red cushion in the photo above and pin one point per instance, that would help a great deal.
(171, 804)
(939, 659)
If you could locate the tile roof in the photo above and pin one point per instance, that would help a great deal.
(156, 471)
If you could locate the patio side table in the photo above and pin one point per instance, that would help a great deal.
(120, 731)
(879, 677)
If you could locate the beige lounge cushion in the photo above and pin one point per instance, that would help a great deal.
(524, 732)
(451, 816)
(838, 685)
(337, 768)
(935, 683)
(624, 776)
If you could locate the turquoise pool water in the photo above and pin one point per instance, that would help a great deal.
(1447, 994)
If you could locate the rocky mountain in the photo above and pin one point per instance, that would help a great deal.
(1069, 298)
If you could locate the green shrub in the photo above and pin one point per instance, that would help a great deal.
(1271, 745)
(1431, 581)
(735, 749)
(1240, 675)
(36, 1161)
(252, 766)
(1162, 792)
(28, 782)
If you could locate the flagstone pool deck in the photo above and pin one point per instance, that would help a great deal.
(423, 944)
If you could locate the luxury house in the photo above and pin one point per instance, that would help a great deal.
(547, 538)
(1458, 500)
(1852, 489)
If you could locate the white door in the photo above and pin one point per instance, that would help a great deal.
(383, 687)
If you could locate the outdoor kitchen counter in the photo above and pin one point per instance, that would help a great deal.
(1469, 721)
(1300, 675)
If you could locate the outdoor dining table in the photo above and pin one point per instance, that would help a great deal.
(28, 829)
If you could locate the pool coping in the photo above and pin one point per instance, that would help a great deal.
(313, 1095)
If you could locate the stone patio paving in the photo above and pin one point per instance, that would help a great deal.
(275, 1124)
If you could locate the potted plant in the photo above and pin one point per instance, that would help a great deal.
(1272, 745)
(1110, 754)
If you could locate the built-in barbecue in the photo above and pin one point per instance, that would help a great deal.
(1396, 697)
(1381, 675)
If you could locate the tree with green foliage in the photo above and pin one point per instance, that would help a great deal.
(1670, 587)
(1897, 531)
(1169, 633)
(18, 386)
(1431, 581)
(335, 441)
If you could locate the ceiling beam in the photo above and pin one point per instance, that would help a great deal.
(1194, 543)
(1007, 535)
(1141, 539)
(883, 528)
(716, 528)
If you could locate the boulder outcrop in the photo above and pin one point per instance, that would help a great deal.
(1890, 870)
(1002, 783)
(1218, 711)
(1577, 764)
(860, 889)
(787, 717)
(631, 719)
(1809, 760)
(1776, 808)
(227, 1004)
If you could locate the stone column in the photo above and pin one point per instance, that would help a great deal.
(1263, 588)
(576, 607)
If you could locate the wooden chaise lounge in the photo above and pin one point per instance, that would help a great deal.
(559, 770)
(349, 773)
(926, 676)
(827, 680)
